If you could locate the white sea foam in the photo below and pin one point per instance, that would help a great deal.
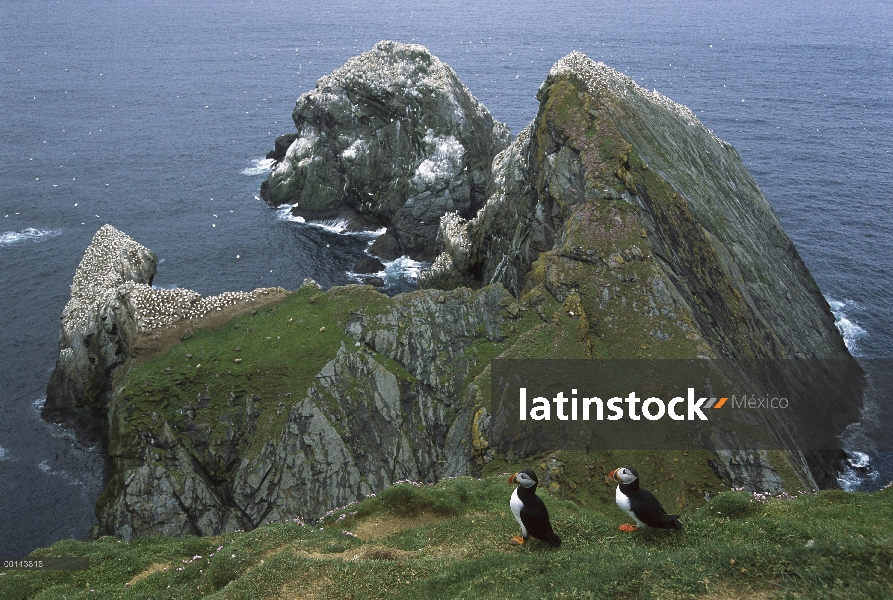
(9, 238)
(858, 460)
(849, 480)
(858, 474)
(259, 166)
(4, 453)
(850, 330)
(339, 226)
(284, 214)
(401, 269)
(334, 225)
(45, 467)
(405, 268)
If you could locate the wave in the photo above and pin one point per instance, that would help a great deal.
(4, 453)
(338, 226)
(70, 479)
(9, 238)
(849, 329)
(403, 269)
(858, 475)
(260, 166)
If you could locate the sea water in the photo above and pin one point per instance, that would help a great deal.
(156, 116)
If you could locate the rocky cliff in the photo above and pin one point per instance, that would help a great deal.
(96, 331)
(392, 137)
(623, 199)
(615, 226)
(237, 427)
(609, 176)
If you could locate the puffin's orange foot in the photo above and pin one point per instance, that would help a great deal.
(628, 527)
(517, 541)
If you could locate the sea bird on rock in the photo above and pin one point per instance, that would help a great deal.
(640, 504)
(529, 511)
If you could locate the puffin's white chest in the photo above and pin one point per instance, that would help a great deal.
(624, 504)
(516, 505)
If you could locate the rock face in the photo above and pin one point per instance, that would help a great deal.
(97, 328)
(393, 138)
(621, 196)
(391, 404)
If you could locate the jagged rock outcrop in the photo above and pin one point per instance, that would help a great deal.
(601, 140)
(97, 328)
(392, 137)
(112, 304)
(622, 197)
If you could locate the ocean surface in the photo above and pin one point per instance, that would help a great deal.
(155, 117)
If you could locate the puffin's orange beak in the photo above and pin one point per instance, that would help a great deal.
(512, 479)
(613, 474)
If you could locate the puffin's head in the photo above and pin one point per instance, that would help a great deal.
(525, 478)
(624, 474)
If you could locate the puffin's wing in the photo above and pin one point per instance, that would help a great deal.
(535, 517)
(649, 510)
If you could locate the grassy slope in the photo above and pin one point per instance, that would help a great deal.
(449, 540)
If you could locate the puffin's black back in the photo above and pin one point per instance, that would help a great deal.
(534, 513)
(646, 506)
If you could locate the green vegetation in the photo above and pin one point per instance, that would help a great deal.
(450, 540)
(265, 359)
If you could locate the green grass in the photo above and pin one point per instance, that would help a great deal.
(451, 542)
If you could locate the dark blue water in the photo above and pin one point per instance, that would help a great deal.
(151, 115)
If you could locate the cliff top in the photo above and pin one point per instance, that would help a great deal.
(598, 77)
(389, 63)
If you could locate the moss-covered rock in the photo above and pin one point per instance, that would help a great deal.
(622, 201)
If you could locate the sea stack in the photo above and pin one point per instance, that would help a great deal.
(391, 138)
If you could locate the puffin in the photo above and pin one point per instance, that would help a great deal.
(529, 511)
(640, 504)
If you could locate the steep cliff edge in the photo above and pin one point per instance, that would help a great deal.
(623, 199)
(97, 329)
(607, 169)
(391, 138)
(318, 401)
